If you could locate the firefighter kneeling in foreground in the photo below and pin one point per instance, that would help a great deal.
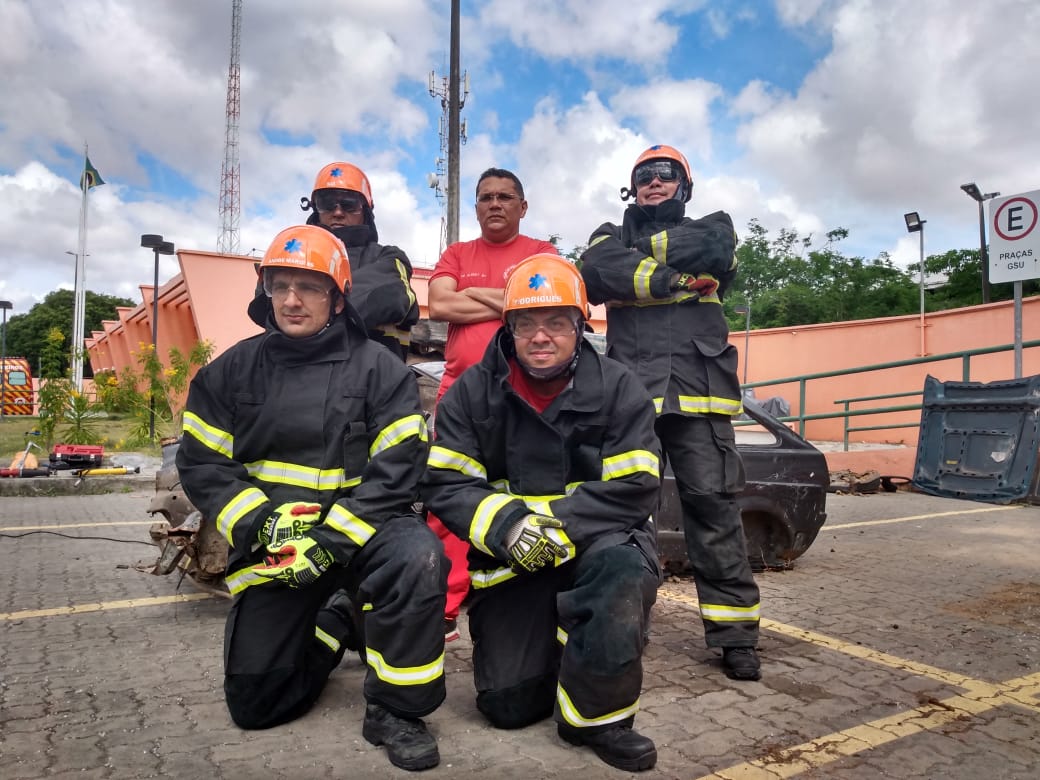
(305, 445)
(545, 460)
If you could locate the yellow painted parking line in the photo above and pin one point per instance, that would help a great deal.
(979, 696)
(103, 606)
(63, 526)
(911, 518)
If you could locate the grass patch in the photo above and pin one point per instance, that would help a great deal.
(112, 429)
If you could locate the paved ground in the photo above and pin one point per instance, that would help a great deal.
(904, 644)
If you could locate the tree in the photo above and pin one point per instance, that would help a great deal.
(27, 334)
(788, 281)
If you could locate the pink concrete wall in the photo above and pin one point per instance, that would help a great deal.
(208, 300)
(784, 352)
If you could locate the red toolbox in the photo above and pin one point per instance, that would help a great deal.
(78, 455)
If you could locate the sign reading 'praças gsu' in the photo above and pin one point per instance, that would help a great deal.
(1014, 244)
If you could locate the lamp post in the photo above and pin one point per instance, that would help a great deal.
(159, 247)
(745, 310)
(976, 194)
(5, 305)
(914, 224)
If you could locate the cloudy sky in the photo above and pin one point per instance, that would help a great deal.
(803, 114)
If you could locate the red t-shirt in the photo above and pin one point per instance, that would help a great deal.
(478, 263)
(528, 390)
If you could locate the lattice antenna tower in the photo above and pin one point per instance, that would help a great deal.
(444, 181)
(230, 198)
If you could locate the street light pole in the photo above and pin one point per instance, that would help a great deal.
(976, 194)
(158, 246)
(5, 305)
(746, 310)
(914, 224)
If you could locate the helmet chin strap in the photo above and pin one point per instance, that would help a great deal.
(554, 372)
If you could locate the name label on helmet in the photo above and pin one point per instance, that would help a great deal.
(538, 299)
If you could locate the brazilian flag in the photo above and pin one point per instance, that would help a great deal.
(90, 178)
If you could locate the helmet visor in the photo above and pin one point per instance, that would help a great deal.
(665, 170)
(330, 200)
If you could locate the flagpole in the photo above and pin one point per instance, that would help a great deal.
(80, 286)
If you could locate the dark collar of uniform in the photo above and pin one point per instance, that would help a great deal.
(334, 343)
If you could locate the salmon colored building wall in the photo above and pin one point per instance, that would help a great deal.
(785, 352)
(207, 300)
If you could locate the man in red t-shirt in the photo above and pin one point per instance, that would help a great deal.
(466, 291)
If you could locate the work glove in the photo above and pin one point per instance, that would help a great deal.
(287, 521)
(529, 544)
(297, 562)
(705, 285)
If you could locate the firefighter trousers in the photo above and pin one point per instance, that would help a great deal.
(280, 643)
(565, 641)
(708, 474)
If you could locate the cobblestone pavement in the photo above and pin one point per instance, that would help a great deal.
(905, 643)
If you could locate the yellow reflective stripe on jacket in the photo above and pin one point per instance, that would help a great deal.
(659, 247)
(676, 297)
(641, 278)
(482, 519)
(720, 613)
(326, 639)
(402, 337)
(627, 463)
(694, 404)
(403, 273)
(443, 458)
(214, 438)
(237, 508)
(397, 432)
(299, 475)
(404, 675)
(350, 525)
(561, 635)
(573, 717)
(243, 578)
(488, 578)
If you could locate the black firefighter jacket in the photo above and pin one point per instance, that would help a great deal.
(591, 460)
(332, 419)
(380, 289)
(675, 342)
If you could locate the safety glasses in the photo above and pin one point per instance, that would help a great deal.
(526, 328)
(330, 201)
(307, 292)
(661, 169)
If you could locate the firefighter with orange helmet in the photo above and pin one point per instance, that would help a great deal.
(545, 461)
(304, 445)
(663, 276)
(341, 201)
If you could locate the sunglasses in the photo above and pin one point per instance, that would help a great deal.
(330, 201)
(660, 169)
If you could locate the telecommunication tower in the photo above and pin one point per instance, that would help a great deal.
(448, 89)
(230, 199)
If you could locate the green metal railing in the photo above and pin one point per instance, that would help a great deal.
(803, 379)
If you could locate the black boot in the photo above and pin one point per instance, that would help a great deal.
(741, 663)
(620, 746)
(408, 744)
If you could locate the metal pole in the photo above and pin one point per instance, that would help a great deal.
(3, 361)
(983, 254)
(155, 345)
(921, 231)
(1018, 329)
(747, 336)
(453, 128)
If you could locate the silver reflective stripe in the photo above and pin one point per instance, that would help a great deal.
(212, 437)
(443, 458)
(350, 525)
(573, 717)
(397, 432)
(237, 508)
(628, 463)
